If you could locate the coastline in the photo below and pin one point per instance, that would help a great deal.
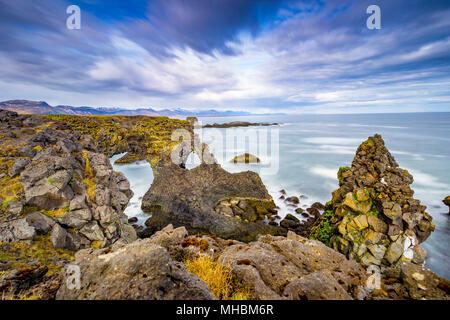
(183, 243)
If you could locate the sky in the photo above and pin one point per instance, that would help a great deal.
(256, 56)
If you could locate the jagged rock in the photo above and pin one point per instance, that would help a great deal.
(373, 217)
(15, 207)
(194, 199)
(78, 202)
(124, 185)
(16, 230)
(140, 270)
(92, 231)
(88, 143)
(18, 166)
(40, 222)
(318, 206)
(46, 182)
(16, 281)
(293, 267)
(59, 237)
(128, 234)
(319, 285)
(76, 219)
(171, 239)
(421, 283)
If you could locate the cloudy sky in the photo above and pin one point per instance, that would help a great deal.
(259, 56)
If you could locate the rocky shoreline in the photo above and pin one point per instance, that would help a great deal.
(237, 124)
(62, 205)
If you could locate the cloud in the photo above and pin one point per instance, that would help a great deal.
(292, 56)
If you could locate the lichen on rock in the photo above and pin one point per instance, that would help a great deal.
(208, 199)
(373, 217)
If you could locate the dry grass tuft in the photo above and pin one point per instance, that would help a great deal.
(217, 277)
(89, 179)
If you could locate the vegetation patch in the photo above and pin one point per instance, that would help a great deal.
(20, 254)
(55, 213)
(217, 277)
(89, 179)
(322, 231)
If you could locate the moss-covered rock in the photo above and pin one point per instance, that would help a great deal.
(373, 217)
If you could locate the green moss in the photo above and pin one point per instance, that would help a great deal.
(20, 254)
(322, 231)
(129, 158)
(9, 191)
(339, 174)
(113, 134)
(55, 213)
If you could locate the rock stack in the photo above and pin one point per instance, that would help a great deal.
(446, 201)
(373, 217)
(61, 188)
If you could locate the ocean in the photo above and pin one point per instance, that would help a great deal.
(304, 152)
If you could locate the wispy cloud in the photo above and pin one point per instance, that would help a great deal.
(293, 56)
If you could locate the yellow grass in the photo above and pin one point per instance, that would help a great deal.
(88, 180)
(217, 277)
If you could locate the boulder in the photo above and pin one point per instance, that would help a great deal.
(319, 285)
(59, 237)
(197, 199)
(15, 207)
(293, 200)
(18, 166)
(16, 230)
(46, 182)
(423, 284)
(318, 206)
(140, 270)
(92, 231)
(76, 219)
(40, 222)
(446, 201)
(294, 268)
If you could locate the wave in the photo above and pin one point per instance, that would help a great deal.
(333, 140)
(329, 173)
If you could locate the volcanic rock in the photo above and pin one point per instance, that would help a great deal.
(206, 199)
(373, 217)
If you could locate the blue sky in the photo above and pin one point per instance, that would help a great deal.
(259, 56)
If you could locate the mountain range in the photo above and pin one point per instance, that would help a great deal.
(42, 107)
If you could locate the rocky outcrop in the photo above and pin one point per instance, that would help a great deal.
(373, 217)
(239, 124)
(446, 201)
(294, 267)
(246, 158)
(140, 270)
(208, 199)
(70, 194)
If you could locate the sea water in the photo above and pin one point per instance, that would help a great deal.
(310, 150)
(140, 176)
